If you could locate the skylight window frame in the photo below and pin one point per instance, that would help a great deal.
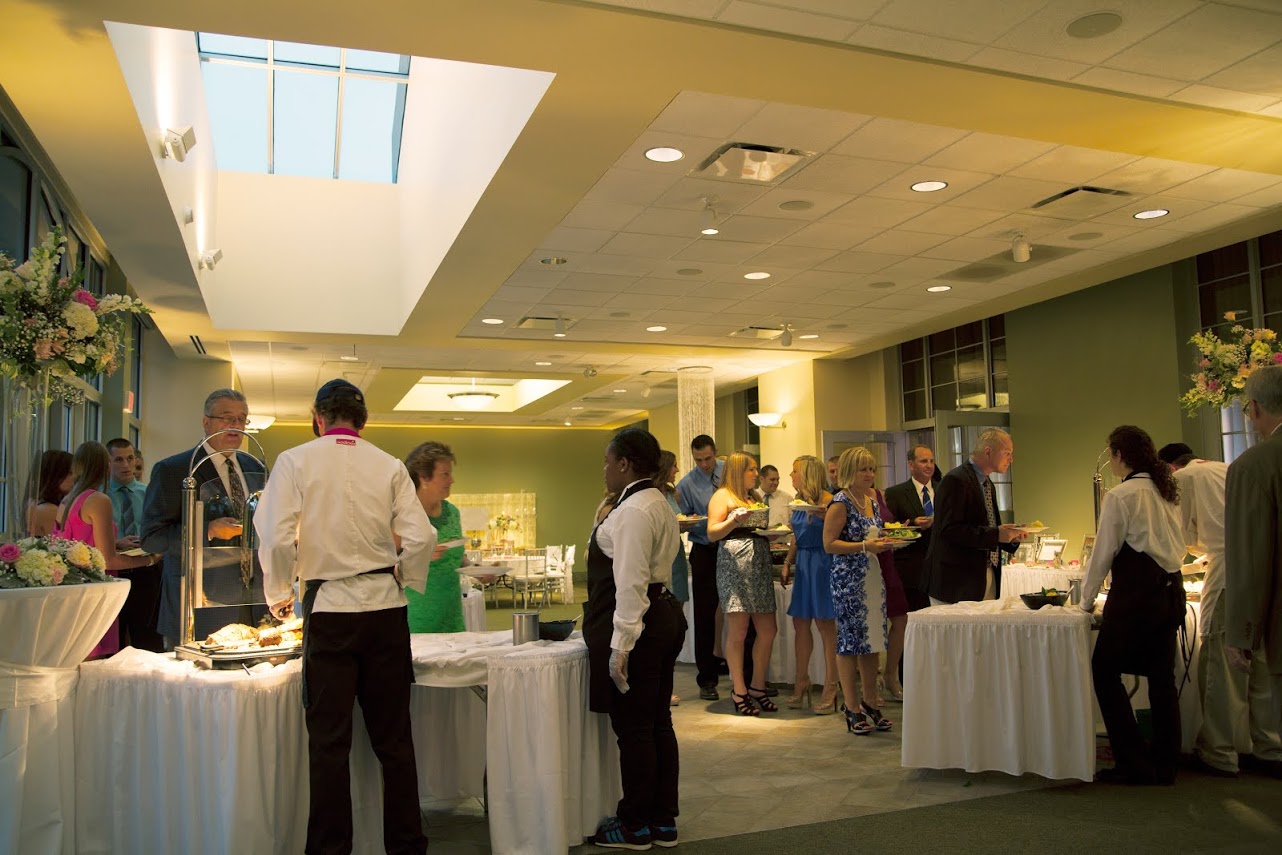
(342, 72)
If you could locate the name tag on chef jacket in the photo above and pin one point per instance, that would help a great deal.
(344, 440)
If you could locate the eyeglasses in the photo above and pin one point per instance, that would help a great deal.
(239, 421)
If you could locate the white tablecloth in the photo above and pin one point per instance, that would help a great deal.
(474, 611)
(44, 634)
(996, 686)
(1023, 579)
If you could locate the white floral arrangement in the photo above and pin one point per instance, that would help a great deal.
(48, 323)
(42, 562)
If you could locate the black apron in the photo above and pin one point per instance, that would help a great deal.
(598, 613)
(311, 588)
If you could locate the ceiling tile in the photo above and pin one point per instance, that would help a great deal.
(918, 268)
(899, 142)
(785, 310)
(1262, 198)
(901, 186)
(695, 149)
(797, 257)
(1032, 225)
(957, 20)
(786, 21)
(1027, 64)
(805, 128)
(950, 220)
(1223, 185)
(837, 174)
(857, 296)
(1044, 33)
(980, 152)
(792, 293)
(1225, 99)
(596, 282)
(684, 271)
(1090, 234)
(896, 242)
(1261, 73)
(1151, 175)
(1210, 218)
(611, 216)
(1070, 164)
(575, 240)
(668, 221)
(1137, 84)
(759, 229)
(647, 246)
(690, 195)
(859, 262)
(855, 9)
(829, 235)
(1178, 208)
(968, 249)
(915, 44)
(564, 297)
(919, 298)
(701, 115)
(1207, 40)
(1010, 194)
(821, 203)
(729, 251)
(886, 213)
(661, 287)
(827, 279)
(618, 265)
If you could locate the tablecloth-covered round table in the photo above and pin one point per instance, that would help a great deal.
(45, 633)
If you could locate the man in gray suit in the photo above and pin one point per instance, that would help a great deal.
(1253, 543)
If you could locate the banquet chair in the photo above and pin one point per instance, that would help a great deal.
(529, 579)
(567, 583)
(554, 571)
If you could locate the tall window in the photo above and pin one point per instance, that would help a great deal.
(963, 368)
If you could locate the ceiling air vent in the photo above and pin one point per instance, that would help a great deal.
(1084, 202)
(199, 345)
(758, 164)
(765, 333)
(534, 322)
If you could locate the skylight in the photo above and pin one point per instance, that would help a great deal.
(286, 108)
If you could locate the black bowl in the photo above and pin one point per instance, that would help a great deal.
(1036, 601)
(556, 630)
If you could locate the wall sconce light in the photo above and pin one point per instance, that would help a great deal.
(209, 258)
(189, 216)
(178, 142)
(257, 423)
(767, 420)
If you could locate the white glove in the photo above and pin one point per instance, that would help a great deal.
(619, 670)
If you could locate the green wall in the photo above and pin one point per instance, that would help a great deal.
(1079, 366)
(562, 467)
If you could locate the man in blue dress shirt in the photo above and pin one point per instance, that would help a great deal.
(693, 494)
(138, 616)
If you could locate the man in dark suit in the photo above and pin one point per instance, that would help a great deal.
(225, 478)
(964, 558)
(913, 503)
(1253, 542)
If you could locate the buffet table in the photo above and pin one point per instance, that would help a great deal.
(44, 634)
(997, 686)
(176, 759)
(1030, 579)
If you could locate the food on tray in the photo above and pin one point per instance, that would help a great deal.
(893, 525)
(1049, 592)
(1037, 524)
(238, 636)
(898, 532)
(231, 635)
(690, 517)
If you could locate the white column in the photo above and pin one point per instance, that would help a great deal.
(696, 410)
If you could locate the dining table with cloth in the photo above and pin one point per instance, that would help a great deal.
(997, 686)
(45, 633)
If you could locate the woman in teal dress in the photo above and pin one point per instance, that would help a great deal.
(440, 607)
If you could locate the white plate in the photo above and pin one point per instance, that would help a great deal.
(773, 533)
(1032, 529)
(793, 507)
(900, 544)
(484, 570)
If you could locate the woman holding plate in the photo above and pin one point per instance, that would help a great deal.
(812, 585)
(440, 607)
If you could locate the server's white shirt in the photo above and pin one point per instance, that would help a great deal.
(640, 536)
(777, 502)
(228, 467)
(1202, 513)
(1134, 513)
(328, 513)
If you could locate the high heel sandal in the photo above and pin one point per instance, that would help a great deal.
(856, 722)
(878, 721)
(827, 701)
(800, 696)
(885, 691)
(743, 704)
(762, 700)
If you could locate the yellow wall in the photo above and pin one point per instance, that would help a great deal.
(791, 391)
(666, 429)
(173, 397)
(851, 394)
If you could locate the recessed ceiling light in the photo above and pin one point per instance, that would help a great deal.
(929, 186)
(656, 329)
(710, 231)
(576, 408)
(664, 154)
(567, 423)
(349, 358)
(1094, 25)
(809, 335)
(759, 274)
(492, 321)
(881, 285)
(939, 289)
(618, 391)
(1152, 215)
(543, 363)
(552, 259)
(796, 205)
(459, 419)
(690, 271)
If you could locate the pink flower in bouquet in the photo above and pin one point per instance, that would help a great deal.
(1277, 359)
(10, 553)
(83, 296)
(43, 348)
(58, 573)
(1205, 363)
(1212, 385)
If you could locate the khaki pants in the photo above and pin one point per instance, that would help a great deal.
(1234, 702)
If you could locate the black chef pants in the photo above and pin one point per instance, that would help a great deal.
(642, 719)
(703, 591)
(361, 656)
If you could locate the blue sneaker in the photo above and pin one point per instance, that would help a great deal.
(613, 834)
(664, 835)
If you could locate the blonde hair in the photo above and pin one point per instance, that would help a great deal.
(814, 477)
(733, 474)
(849, 464)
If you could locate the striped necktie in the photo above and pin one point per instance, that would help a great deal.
(128, 522)
(990, 505)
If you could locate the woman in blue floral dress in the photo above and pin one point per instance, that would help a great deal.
(812, 589)
(858, 592)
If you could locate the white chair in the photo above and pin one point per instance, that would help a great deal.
(529, 577)
(567, 581)
(554, 571)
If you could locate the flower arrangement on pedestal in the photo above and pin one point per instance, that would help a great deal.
(50, 326)
(503, 524)
(42, 562)
(1223, 366)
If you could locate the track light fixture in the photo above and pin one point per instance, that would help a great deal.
(785, 340)
(1020, 249)
(559, 331)
(710, 216)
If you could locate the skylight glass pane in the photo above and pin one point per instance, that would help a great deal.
(232, 45)
(373, 111)
(237, 99)
(310, 54)
(368, 60)
(305, 117)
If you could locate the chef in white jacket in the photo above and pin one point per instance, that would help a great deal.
(326, 518)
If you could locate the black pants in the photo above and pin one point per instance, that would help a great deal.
(1136, 637)
(361, 656)
(138, 616)
(703, 584)
(642, 719)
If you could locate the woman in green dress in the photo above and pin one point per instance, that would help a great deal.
(440, 607)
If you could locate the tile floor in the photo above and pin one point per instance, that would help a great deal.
(741, 774)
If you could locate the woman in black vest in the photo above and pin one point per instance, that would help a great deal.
(634, 629)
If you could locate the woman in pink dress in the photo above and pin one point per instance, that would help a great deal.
(86, 515)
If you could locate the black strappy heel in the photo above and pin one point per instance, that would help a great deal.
(762, 700)
(856, 722)
(878, 721)
(743, 703)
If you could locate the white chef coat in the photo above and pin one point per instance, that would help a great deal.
(777, 502)
(328, 513)
(640, 536)
(1133, 512)
(1202, 513)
